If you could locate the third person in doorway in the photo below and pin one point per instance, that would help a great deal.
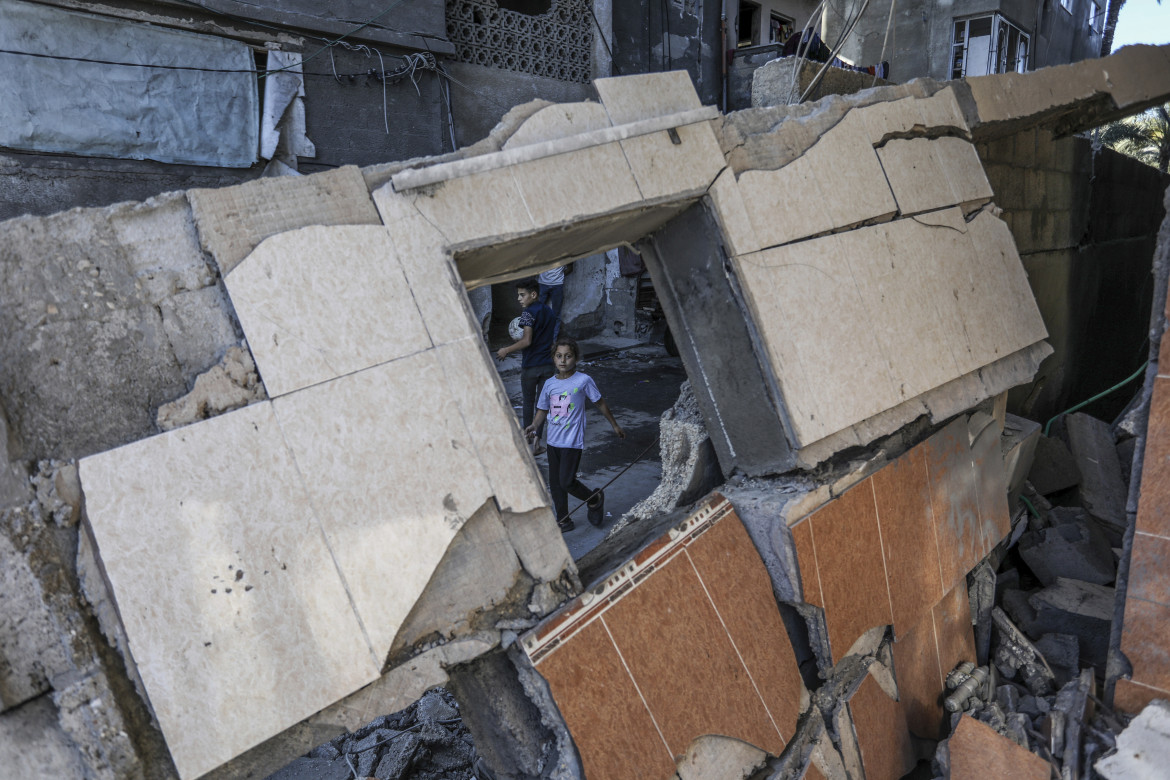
(552, 293)
(562, 402)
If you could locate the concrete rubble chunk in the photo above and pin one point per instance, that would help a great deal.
(1075, 550)
(1101, 490)
(227, 386)
(1053, 467)
(1143, 748)
(713, 757)
(1083, 609)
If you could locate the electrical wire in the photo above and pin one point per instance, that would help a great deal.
(885, 40)
(836, 50)
(1099, 395)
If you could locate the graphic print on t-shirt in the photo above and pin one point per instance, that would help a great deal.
(559, 405)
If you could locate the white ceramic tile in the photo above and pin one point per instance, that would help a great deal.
(180, 519)
(322, 302)
(392, 474)
(738, 233)
(916, 175)
(473, 207)
(630, 98)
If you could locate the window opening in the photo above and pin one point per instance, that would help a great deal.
(986, 45)
(780, 28)
(748, 25)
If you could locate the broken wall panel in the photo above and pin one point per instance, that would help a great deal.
(695, 651)
(888, 549)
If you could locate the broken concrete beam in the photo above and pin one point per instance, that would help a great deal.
(1102, 490)
(1143, 748)
(1053, 467)
(976, 752)
(1075, 550)
(1082, 609)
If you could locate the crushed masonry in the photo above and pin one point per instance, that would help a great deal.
(287, 471)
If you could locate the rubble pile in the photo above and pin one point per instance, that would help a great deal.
(425, 741)
(1048, 624)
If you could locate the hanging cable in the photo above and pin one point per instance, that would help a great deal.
(885, 40)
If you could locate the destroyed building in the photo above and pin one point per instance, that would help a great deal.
(263, 489)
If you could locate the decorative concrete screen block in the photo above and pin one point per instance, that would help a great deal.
(233, 220)
(322, 302)
(224, 583)
(915, 303)
(683, 641)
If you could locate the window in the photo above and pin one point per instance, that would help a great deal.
(988, 44)
(1096, 18)
(748, 25)
(780, 29)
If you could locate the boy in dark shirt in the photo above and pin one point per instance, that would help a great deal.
(536, 364)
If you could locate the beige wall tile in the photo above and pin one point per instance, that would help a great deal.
(558, 121)
(322, 302)
(495, 433)
(569, 186)
(392, 474)
(940, 110)
(478, 206)
(738, 234)
(663, 168)
(430, 272)
(630, 98)
(182, 518)
(916, 175)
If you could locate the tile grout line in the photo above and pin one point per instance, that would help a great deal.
(378, 662)
(882, 547)
(1152, 535)
(942, 580)
(816, 565)
(1146, 685)
(937, 653)
(638, 688)
(734, 647)
(1146, 601)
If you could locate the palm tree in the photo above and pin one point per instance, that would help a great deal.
(1145, 136)
(1111, 25)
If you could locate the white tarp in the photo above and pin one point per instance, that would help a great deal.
(77, 106)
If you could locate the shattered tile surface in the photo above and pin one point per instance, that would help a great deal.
(882, 734)
(695, 628)
(979, 753)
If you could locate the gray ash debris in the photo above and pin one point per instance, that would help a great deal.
(425, 741)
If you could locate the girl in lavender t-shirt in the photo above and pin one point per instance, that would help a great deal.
(562, 402)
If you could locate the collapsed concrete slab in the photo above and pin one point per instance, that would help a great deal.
(403, 393)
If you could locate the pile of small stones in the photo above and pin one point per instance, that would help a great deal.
(425, 741)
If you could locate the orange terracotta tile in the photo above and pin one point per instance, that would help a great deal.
(1149, 569)
(991, 487)
(907, 531)
(882, 734)
(952, 629)
(1145, 640)
(852, 573)
(807, 561)
(921, 681)
(739, 586)
(978, 753)
(812, 773)
(1131, 697)
(614, 732)
(684, 663)
(1154, 505)
(954, 500)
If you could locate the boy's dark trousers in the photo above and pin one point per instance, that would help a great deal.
(531, 380)
(562, 478)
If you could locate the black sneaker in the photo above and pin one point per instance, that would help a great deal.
(597, 510)
(566, 525)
